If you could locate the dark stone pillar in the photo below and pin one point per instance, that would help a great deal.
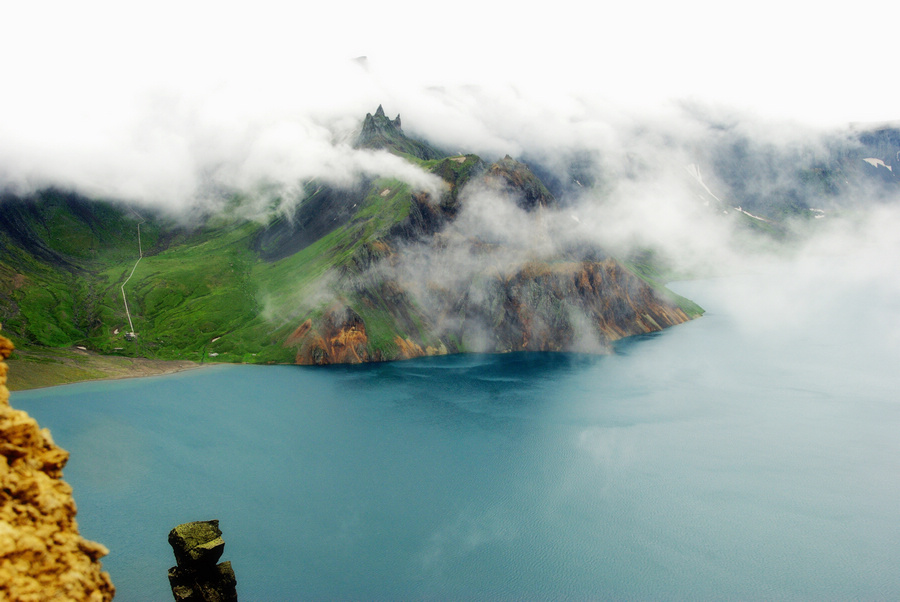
(197, 578)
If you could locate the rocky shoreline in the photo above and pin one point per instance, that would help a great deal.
(42, 555)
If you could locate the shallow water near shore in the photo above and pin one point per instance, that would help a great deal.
(725, 458)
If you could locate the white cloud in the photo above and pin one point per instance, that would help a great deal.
(149, 101)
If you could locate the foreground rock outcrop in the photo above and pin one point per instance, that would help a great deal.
(199, 576)
(42, 556)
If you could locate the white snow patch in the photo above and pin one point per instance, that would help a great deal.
(748, 214)
(694, 170)
(877, 163)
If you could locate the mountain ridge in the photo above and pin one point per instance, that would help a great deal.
(380, 270)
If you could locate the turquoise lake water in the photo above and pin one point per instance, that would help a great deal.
(738, 456)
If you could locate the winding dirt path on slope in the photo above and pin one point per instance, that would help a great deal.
(140, 256)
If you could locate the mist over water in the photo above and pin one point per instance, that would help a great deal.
(749, 454)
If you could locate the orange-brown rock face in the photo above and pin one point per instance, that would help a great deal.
(42, 556)
(339, 339)
(408, 349)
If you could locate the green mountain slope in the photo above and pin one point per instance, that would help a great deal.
(335, 281)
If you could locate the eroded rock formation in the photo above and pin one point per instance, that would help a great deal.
(42, 556)
(340, 338)
(198, 578)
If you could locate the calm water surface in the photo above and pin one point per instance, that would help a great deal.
(718, 459)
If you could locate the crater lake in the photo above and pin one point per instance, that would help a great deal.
(753, 453)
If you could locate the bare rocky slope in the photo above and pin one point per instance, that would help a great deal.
(42, 556)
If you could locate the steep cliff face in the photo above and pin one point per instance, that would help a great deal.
(42, 556)
(581, 306)
(562, 306)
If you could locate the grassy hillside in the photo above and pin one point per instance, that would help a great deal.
(203, 294)
(311, 286)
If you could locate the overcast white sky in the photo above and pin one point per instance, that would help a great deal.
(153, 101)
(113, 96)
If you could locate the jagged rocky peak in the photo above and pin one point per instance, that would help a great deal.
(379, 112)
(377, 124)
(379, 132)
